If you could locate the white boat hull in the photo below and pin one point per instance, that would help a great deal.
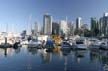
(24, 43)
(32, 45)
(80, 46)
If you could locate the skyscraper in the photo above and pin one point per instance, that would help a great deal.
(105, 24)
(47, 24)
(71, 28)
(63, 27)
(78, 23)
(55, 28)
(94, 26)
(100, 26)
(37, 28)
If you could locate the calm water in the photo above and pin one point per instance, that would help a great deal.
(32, 59)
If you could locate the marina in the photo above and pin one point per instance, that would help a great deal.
(53, 35)
(72, 54)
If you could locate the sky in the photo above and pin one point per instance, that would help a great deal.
(15, 14)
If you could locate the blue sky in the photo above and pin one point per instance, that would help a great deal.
(16, 13)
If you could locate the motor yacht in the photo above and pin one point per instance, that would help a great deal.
(34, 43)
(65, 46)
(104, 44)
(95, 43)
(80, 44)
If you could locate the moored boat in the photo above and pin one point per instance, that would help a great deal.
(104, 44)
(95, 44)
(34, 43)
(80, 44)
(65, 46)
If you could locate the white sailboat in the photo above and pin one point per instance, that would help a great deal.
(6, 41)
(33, 42)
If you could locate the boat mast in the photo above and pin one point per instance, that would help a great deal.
(7, 28)
(30, 26)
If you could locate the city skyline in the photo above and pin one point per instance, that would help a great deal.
(16, 13)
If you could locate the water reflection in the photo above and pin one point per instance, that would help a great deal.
(79, 54)
(104, 59)
(65, 63)
(46, 57)
(17, 50)
(9, 51)
(6, 51)
(94, 56)
(73, 60)
(33, 51)
(65, 54)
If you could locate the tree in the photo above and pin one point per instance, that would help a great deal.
(78, 32)
(96, 32)
(87, 33)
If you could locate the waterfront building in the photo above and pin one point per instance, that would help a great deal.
(32, 32)
(55, 28)
(47, 24)
(78, 23)
(37, 28)
(71, 28)
(63, 27)
(100, 27)
(78, 26)
(94, 26)
(104, 24)
(41, 31)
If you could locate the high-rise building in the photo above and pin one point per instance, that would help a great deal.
(55, 28)
(32, 32)
(94, 26)
(104, 25)
(47, 24)
(37, 28)
(105, 14)
(71, 28)
(78, 23)
(100, 26)
(63, 27)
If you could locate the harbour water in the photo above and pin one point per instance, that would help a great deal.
(32, 59)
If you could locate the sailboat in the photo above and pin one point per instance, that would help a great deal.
(6, 40)
(33, 41)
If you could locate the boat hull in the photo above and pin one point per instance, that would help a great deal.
(104, 47)
(81, 47)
